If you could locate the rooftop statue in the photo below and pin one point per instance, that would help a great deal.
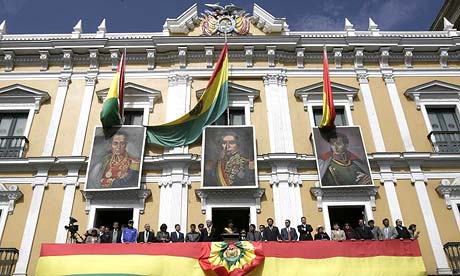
(225, 20)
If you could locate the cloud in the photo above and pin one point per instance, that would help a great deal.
(11, 6)
(391, 14)
(318, 22)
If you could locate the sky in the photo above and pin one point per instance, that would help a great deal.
(59, 16)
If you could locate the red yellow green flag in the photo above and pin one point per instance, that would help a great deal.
(325, 258)
(112, 108)
(188, 128)
(328, 101)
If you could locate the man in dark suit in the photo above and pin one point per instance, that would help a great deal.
(147, 235)
(252, 234)
(288, 233)
(403, 233)
(305, 230)
(177, 236)
(271, 233)
(115, 233)
(209, 233)
(363, 231)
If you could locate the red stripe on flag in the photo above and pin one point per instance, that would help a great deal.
(305, 250)
(219, 64)
(121, 85)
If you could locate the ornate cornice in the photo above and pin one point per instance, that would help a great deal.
(118, 196)
(247, 195)
(449, 190)
(348, 193)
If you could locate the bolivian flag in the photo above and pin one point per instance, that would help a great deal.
(328, 101)
(187, 129)
(316, 258)
(112, 108)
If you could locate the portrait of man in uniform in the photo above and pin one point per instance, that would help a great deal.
(116, 158)
(229, 157)
(341, 157)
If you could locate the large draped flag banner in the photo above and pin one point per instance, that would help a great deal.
(328, 101)
(112, 108)
(317, 258)
(212, 104)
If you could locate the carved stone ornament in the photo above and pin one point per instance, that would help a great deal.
(246, 196)
(449, 190)
(345, 194)
(9, 195)
(230, 20)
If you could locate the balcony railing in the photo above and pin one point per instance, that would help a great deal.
(452, 250)
(445, 141)
(13, 146)
(8, 259)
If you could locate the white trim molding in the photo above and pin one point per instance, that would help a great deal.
(135, 96)
(434, 92)
(267, 22)
(312, 96)
(22, 97)
(8, 197)
(239, 96)
(326, 204)
(449, 190)
(184, 23)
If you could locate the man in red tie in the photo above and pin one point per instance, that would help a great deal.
(289, 233)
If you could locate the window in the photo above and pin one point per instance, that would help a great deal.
(340, 117)
(134, 117)
(12, 130)
(445, 129)
(231, 117)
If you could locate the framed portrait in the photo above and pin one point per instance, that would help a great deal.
(341, 157)
(116, 157)
(229, 158)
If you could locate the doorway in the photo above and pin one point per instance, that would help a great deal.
(344, 214)
(239, 216)
(107, 216)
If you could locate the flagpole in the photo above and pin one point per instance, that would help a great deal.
(122, 115)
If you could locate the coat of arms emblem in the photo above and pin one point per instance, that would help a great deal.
(226, 20)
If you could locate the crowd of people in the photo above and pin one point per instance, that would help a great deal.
(207, 232)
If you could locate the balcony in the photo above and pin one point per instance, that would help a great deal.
(8, 259)
(445, 141)
(13, 146)
(452, 250)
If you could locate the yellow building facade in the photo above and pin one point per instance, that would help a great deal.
(401, 88)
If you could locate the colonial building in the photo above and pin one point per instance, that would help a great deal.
(401, 88)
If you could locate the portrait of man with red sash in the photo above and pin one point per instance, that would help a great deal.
(116, 168)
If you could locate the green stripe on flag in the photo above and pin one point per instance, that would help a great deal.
(110, 114)
(189, 131)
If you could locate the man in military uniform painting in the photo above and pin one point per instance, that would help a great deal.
(118, 169)
(231, 168)
(339, 166)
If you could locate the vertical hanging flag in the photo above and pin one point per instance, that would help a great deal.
(112, 108)
(188, 128)
(328, 101)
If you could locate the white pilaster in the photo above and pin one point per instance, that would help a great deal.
(442, 267)
(83, 117)
(64, 81)
(174, 186)
(370, 110)
(31, 222)
(178, 102)
(174, 198)
(398, 111)
(67, 204)
(285, 184)
(388, 180)
(279, 120)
